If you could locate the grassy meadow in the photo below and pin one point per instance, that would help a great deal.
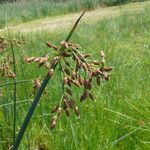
(28, 10)
(118, 119)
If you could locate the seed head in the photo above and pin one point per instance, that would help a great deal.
(64, 44)
(87, 84)
(96, 63)
(53, 122)
(50, 45)
(84, 96)
(50, 72)
(55, 108)
(102, 54)
(107, 69)
(59, 112)
(86, 56)
(67, 110)
(77, 111)
(36, 84)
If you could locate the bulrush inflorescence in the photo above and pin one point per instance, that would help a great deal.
(76, 69)
(3, 44)
(6, 62)
(6, 42)
(5, 68)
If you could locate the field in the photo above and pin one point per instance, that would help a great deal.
(118, 119)
(28, 10)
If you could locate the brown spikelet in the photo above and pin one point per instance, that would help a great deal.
(67, 110)
(74, 75)
(87, 84)
(65, 80)
(55, 60)
(53, 122)
(86, 56)
(2, 44)
(64, 43)
(9, 74)
(29, 59)
(50, 72)
(59, 112)
(52, 125)
(107, 69)
(98, 72)
(65, 101)
(78, 63)
(76, 109)
(50, 45)
(69, 91)
(81, 81)
(43, 59)
(76, 82)
(84, 96)
(36, 84)
(96, 63)
(107, 77)
(102, 54)
(47, 65)
(66, 54)
(55, 108)
(93, 74)
(84, 66)
(69, 83)
(71, 103)
(75, 46)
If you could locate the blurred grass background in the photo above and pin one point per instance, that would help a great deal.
(15, 12)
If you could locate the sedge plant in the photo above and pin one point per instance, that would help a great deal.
(76, 69)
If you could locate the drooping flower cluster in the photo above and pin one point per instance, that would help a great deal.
(78, 70)
(5, 68)
(6, 61)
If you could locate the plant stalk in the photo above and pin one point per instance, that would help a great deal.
(15, 89)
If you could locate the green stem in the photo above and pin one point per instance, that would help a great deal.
(15, 88)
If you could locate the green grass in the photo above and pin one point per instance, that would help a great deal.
(114, 121)
(24, 11)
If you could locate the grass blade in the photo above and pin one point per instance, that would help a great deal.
(11, 83)
(15, 88)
